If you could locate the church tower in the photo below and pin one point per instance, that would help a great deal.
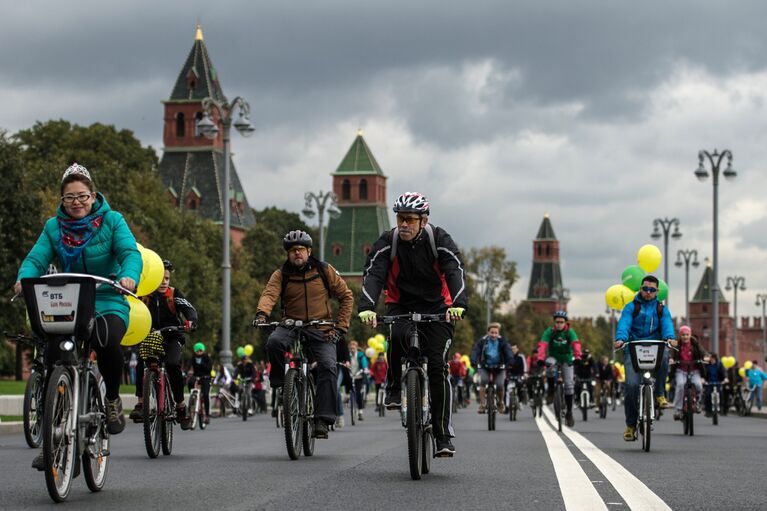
(546, 276)
(701, 314)
(192, 166)
(360, 186)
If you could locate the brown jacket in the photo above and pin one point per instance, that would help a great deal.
(305, 294)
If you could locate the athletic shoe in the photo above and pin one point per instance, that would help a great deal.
(445, 447)
(115, 417)
(630, 435)
(320, 429)
(393, 401)
(137, 414)
(340, 422)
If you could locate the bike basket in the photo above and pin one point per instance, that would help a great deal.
(63, 305)
(646, 356)
(153, 346)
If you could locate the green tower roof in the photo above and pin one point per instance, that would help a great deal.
(703, 294)
(359, 159)
(546, 231)
(356, 227)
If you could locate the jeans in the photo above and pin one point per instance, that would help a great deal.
(632, 383)
(681, 380)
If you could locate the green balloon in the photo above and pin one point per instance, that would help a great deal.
(632, 277)
(662, 290)
(240, 352)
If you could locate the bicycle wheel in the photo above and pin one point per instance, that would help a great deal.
(558, 405)
(427, 451)
(715, 408)
(352, 398)
(453, 401)
(750, 402)
(152, 415)
(413, 422)
(33, 413)
(59, 435)
(166, 425)
(292, 413)
(192, 408)
(647, 422)
(95, 462)
(490, 408)
(307, 432)
(244, 403)
(585, 405)
(513, 405)
(381, 407)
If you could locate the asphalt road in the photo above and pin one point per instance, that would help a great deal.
(522, 465)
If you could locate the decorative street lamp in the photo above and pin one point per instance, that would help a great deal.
(729, 173)
(689, 257)
(665, 225)
(324, 201)
(487, 283)
(761, 299)
(613, 325)
(562, 295)
(224, 111)
(735, 283)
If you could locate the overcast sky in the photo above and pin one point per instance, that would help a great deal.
(498, 111)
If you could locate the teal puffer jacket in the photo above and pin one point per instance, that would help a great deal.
(111, 251)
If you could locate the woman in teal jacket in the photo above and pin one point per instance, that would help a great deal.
(86, 236)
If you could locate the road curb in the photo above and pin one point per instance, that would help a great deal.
(11, 427)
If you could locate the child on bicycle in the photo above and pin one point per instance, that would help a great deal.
(201, 368)
(688, 361)
(378, 371)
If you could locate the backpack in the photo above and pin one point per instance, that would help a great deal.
(395, 238)
(637, 308)
(321, 270)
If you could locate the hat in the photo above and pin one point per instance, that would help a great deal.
(684, 329)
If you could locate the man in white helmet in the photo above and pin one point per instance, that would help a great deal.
(421, 268)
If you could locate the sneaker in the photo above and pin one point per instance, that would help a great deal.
(137, 414)
(661, 402)
(115, 417)
(206, 420)
(320, 429)
(340, 422)
(360, 417)
(481, 409)
(39, 462)
(183, 418)
(569, 420)
(630, 435)
(501, 408)
(677, 416)
(393, 401)
(445, 447)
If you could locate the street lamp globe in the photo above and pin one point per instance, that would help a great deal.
(678, 264)
(730, 173)
(701, 173)
(676, 234)
(243, 125)
(334, 212)
(207, 127)
(308, 212)
(656, 234)
(695, 263)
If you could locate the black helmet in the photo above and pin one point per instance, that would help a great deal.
(167, 265)
(294, 238)
(560, 314)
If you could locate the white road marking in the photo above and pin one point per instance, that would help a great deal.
(577, 491)
(637, 495)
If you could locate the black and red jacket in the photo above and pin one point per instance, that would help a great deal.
(414, 279)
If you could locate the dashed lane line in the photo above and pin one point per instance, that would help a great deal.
(637, 495)
(577, 491)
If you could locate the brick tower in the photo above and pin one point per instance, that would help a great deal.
(546, 276)
(360, 186)
(192, 166)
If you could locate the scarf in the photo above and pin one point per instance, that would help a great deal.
(75, 236)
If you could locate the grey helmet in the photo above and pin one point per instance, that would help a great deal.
(411, 202)
(294, 238)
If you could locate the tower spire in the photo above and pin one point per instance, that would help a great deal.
(198, 32)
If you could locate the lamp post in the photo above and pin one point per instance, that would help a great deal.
(613, 325)
(735, 283)
(322, 201)
(715, 159)
(761, 299)
(562, 295)
(689, 257)
(224, 111)
(664, 225)
(487, 283)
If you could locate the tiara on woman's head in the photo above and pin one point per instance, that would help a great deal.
(76, 168)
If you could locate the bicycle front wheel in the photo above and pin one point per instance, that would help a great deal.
(307, 432)
(291, 410)
(647, 399)
(166, 424)
(513, 405)
(585, 405)
(152, 416)
(414, 425)
(715, 408)
(95, 461)
(59, 435)
(192, 409)
(558, 405)
(490, 409)
(33, 410)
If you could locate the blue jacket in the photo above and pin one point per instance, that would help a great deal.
(756, 377)
(646, 325)
(478, 351)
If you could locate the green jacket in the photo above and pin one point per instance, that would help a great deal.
(563, 345)
(112, 250)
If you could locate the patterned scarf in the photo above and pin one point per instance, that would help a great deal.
(75, 236)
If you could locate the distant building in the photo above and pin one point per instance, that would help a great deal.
(192, 166)
(546, 275)
(360, 185)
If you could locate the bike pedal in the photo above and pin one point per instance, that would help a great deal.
(443, 455)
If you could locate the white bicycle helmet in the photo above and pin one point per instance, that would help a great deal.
(411, 202)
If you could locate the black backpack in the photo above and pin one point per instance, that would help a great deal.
(429, 234)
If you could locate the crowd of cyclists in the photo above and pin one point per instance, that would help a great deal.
(419, 269)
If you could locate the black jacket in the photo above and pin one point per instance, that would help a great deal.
(201, 366)
(585, 368)
(163, 316)
(414, 279)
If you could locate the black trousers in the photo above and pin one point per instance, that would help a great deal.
(320, 351)
(173, 350)
(435, 341)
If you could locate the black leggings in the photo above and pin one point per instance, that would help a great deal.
(173, 350)
(109, 331)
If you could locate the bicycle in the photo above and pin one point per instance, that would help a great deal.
(646, 358)
(195, 407)
(246, 398)
(491, 390)
(159, 408)
(584, 396)
(380, 397)
(606, 392)
(689, 401)
(298, 392)
(225, 400)
(62, 311)
(749, 403)
(560, 407)
(415, 411)
(537, 391)
(714, 397)
(512, 398)
(34, 391)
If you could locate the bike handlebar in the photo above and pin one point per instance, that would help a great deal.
(298, 323)
(414, 317)
(102, 281)
(23, 339)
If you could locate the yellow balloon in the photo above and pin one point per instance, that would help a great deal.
(152, 272)
(742, 372)
(248, 349)
(748, 364)
(728, 362)
(649, 257)
(380, 338)
(212, 373)
(617, 296)
(139, 322)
